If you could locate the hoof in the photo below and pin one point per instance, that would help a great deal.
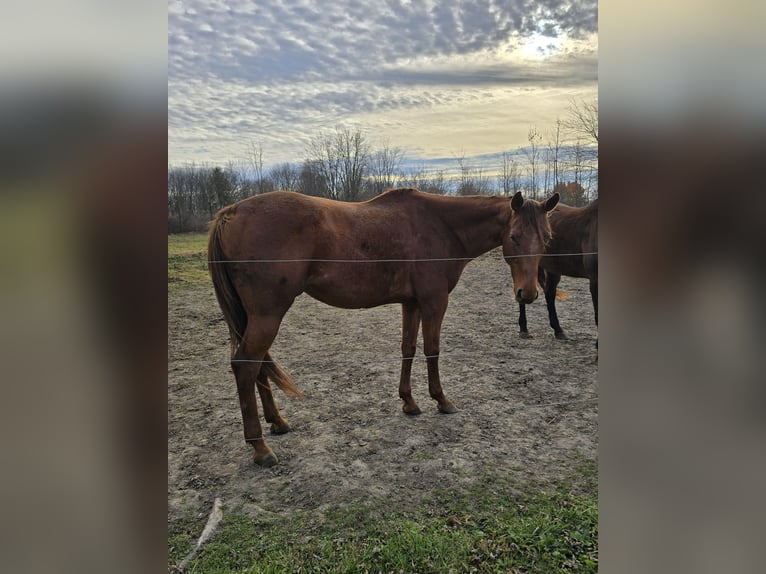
(561, 336)
(525, 335)
(412, 411)
(280, 428)
(267, 460)
(448, 409)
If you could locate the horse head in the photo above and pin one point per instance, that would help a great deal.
(528, 233)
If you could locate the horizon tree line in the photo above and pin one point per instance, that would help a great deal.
(344, 165)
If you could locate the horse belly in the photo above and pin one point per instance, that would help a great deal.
(568, 265)
(357, 288)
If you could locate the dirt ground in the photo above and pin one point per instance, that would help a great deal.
(527, 409)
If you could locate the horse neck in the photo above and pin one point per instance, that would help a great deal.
(478, 222)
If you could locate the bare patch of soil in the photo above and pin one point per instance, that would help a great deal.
(527, 409)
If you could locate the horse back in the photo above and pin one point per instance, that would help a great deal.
(575, 231)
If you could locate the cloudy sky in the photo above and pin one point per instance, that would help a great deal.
(437, 78)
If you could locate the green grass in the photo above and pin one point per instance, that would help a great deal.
(488, 529)
(187, 264)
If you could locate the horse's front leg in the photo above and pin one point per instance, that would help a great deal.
(551, 284)
(432, 324)
(594, 296)
(523, 332)
(410, 326)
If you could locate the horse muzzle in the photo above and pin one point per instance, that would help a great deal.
(526, 296)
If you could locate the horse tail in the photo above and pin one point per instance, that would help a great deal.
(282, 379)
(231, 305)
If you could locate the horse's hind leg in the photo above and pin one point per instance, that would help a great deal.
(246, 364)
(246, 374)
(279, 424)
(410, 326)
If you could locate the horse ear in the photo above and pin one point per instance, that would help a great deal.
(552, 201)
(517, 201)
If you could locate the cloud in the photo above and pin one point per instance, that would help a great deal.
(301, 65)
(559, 70)
(350, 38)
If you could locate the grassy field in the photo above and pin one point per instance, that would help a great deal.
(186, 260)
(494, 526)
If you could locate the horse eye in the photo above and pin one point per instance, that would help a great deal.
(515, 239)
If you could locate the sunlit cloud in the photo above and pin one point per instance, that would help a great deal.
(278, 72)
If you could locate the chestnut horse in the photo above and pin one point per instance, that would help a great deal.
(403, 246)
(575, 231)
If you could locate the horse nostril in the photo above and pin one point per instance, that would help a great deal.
(518, 294)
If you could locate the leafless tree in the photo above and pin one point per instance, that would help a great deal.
(510, 176)
(582, 121)
(434, 181)
(546, 166)
(354, 152)
(412, 176)
(285, 176)
(322, 162)
(384, 166)
(577, 162)
(181, 192)
(581, 125)
(311, 180)
(430, 181)
(260, 183)
(532, 152)
(472, 179)
(555, 143)
(341, 159)
(195, 193)
(236, 180)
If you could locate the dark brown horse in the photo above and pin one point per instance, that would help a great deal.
(575, 231)
(403, 246)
